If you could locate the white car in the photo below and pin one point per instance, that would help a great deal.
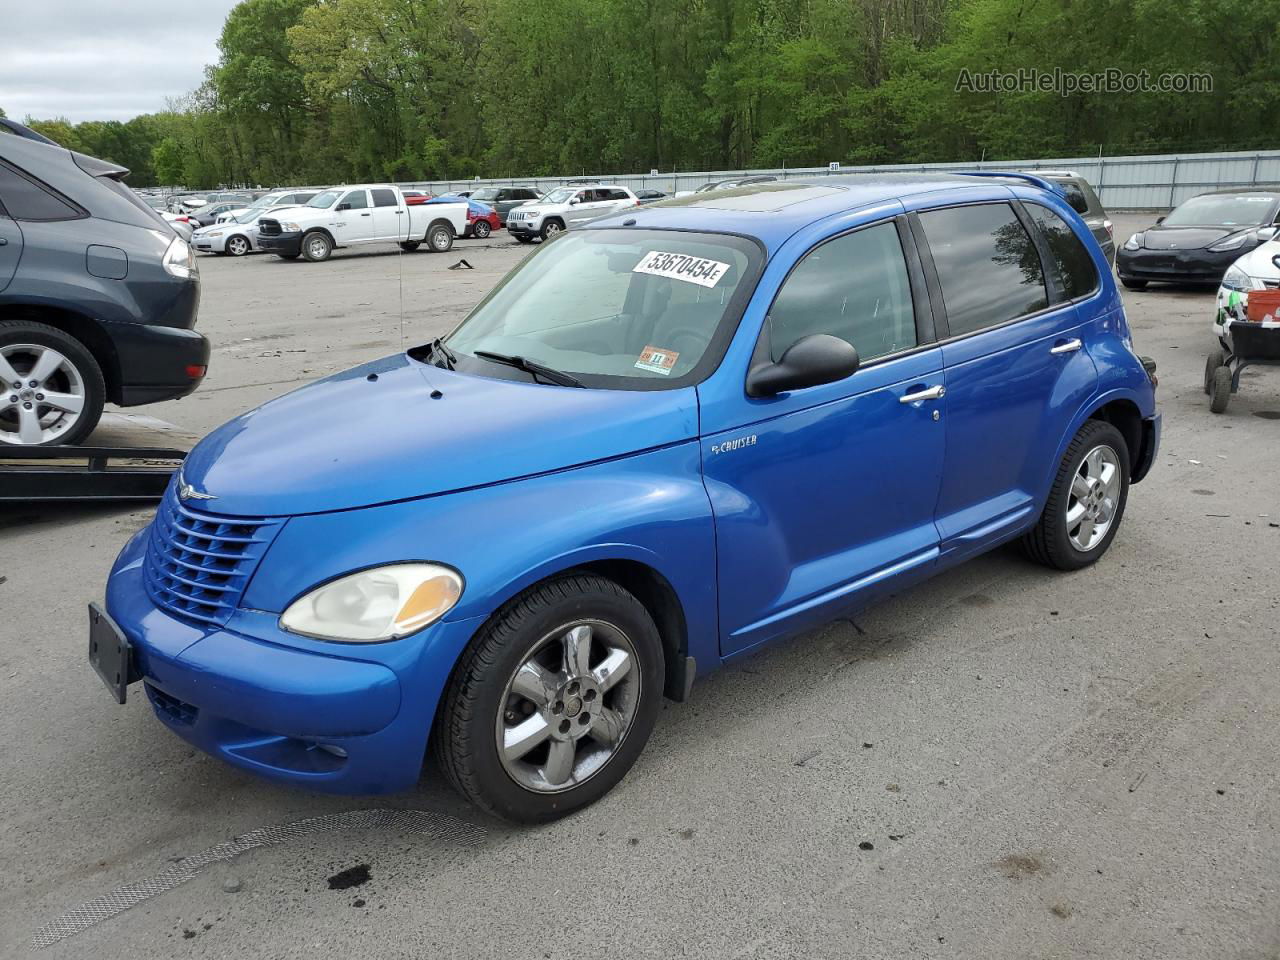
(1256, 270)
(567, 207)
(236, 236)
(268, 201)
(360, 214)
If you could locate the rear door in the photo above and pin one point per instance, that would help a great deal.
(388, 214)
(1016, 370)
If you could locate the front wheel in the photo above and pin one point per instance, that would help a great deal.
(551, 229)
(52, 388)
(440, 237)
(238, 246)
(552, 701)
(1086, 503)
(316, 246)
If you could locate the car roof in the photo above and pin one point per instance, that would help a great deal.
(772, 212)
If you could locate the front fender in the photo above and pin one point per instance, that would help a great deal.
(650, 508)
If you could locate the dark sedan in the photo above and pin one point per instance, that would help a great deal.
(1199, 239)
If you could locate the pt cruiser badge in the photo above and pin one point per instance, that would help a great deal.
(731, 445)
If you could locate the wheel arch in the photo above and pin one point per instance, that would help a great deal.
(87, 330)
(440, 222)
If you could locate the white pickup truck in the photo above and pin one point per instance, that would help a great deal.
(359, 214)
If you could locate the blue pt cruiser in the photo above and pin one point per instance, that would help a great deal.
(660, 443)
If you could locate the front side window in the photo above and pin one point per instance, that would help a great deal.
(383, 198)
(561, 195)
(989, 269)
(627, 309)
(356, 200)
(25, 199)
(854, 287)
(1075, 266)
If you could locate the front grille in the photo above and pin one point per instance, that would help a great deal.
(199, 563)
(268, 227)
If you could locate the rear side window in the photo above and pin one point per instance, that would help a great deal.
(1070, 257)
(617, 194)
(854, 287)
(1076, 197)
(25, 198)
(988, 267)
(383, 198)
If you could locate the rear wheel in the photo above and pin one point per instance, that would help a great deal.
(1134, 284)
(1086, 503)
(1217, 358)
(440, 238)
(552, 701)
(53, 389)
(237, 246)
(482, 229)
(316, 246)
(1220, 390)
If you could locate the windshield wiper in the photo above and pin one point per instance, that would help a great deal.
(448, 359)
(532, 367)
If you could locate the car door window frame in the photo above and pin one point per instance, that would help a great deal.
(78, 212)
(921, 297)
(941, 320)
(1047, 258)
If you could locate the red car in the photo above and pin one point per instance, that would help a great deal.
(482, 220)
(414, 197)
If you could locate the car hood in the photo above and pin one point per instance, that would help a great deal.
(1187, 238)
(374, 434)
(1258, 263)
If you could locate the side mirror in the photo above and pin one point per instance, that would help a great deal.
(1266, 233)
(810, 361)
(574, 201)
(1159, 220)
(344, 206)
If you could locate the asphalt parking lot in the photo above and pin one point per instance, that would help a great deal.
(1003, 762)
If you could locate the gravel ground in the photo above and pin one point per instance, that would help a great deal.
(1000, 763)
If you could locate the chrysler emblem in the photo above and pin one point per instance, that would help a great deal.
(187, 492)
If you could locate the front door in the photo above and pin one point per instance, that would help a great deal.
(825, 496)
(353, 221)
(1016, 365)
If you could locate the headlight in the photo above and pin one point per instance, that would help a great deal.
(1237, 279)
(180, 260)
(213, 233)
(377, 604)
(1134, 242)
(290, 228)
(1231, 243)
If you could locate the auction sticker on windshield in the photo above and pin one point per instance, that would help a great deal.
(657, 360)
(682, 266)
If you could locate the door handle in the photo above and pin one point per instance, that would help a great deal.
(4, 241)
(1070, 346)
(366, 214)
(931, 393)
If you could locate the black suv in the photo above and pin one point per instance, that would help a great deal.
(98, 295)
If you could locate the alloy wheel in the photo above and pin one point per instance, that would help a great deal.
(43, 395)
(568, 706)
(1095, 493)
(238, 246)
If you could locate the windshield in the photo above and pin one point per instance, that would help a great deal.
(616, 308)
(323, 201)
(1223, 210)
(561, 195)
(263, 202)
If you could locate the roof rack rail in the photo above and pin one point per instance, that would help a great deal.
(1031, 178)
(22, 130)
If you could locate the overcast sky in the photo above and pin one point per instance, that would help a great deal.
(103, 59)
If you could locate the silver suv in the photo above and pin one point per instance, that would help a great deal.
(567, 207)
(1084, 201)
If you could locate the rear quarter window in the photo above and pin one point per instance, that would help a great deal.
(23, 197)
(1070, 257)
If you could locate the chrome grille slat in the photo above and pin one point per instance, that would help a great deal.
(198, 564)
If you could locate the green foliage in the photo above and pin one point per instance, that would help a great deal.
(318, 91)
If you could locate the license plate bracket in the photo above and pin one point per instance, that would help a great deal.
(109, 652)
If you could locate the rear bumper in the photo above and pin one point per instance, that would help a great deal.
(154, 361)
(286, 243)
(1149, 450)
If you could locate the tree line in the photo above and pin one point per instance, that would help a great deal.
(327, 91)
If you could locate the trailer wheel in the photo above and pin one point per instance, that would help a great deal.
(1220, 391)
(1217, 358)
(53, 389)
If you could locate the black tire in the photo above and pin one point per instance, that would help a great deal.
(551, 228)
(287, 256)
(410, 245)
(482, 229)
(440, 238)
(1049, 542)
(520, 238)
(1220, 390)
(1133, 284)
(463, 737)
(1217, 358)
(92, 387)
(238, 245)
(316, 246)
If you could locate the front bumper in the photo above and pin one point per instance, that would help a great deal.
(335, 720)
(524, 228)
(209, 244)
(289, 244)
(1176, 266)
(154, 361)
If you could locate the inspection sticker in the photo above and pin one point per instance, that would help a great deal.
(681, 266)
(657, 360)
